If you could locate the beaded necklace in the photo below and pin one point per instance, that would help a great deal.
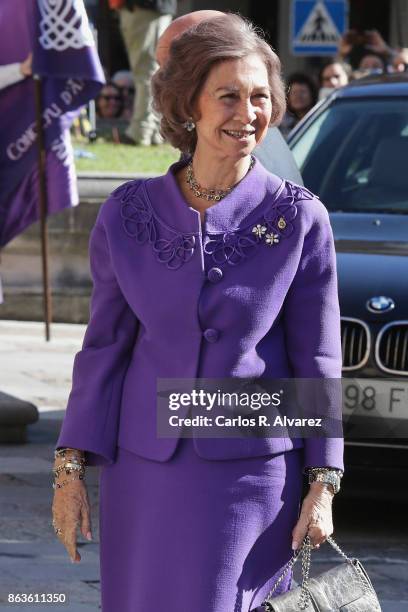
(209, 194)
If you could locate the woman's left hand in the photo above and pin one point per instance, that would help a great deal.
(315, 517)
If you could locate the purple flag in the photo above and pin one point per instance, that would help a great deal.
(58, 34)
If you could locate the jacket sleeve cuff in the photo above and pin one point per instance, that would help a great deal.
(96, 454)
(323, 452)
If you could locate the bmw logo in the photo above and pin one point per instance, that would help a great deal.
(380, 303)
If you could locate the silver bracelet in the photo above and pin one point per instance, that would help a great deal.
(330, 477)
(312, 470)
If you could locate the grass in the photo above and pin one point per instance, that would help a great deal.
(127, 159)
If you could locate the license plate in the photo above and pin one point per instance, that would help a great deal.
(375, 398)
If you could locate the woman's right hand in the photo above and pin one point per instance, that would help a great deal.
(70, 510)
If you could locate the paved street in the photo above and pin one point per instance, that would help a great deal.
(32, 561)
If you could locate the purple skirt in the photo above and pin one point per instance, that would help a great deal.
(194, 534)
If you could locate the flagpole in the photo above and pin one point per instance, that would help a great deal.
(43, 206)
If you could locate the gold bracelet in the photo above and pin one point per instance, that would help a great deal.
(74, 458)
(69, 466)
(59, 485)
(79, 461)
(62, 452)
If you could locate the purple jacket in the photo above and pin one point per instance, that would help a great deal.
(172, 299)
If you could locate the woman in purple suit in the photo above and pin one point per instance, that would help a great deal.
(218, 269)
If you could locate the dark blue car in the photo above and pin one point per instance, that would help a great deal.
(352, 151)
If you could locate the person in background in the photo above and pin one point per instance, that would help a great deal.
(302, 96)
(333, 74)
(399, 62)
(372, 62)
(356, 45)
(124, 80)
(141, 27)
(109, 103)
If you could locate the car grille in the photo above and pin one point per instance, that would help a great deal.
(355, 343)
(392, 348)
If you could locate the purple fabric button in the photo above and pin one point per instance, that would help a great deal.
(214, 275)
(211, 335)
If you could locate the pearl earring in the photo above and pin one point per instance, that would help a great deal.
(189, 125)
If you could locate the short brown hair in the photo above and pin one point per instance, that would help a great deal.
(176, 85)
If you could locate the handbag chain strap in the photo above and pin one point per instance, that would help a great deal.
(305, 549)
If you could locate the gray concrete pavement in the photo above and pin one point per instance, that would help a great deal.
(32, 561)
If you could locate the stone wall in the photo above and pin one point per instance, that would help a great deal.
(21, 270)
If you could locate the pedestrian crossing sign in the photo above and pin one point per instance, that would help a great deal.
(317, 26)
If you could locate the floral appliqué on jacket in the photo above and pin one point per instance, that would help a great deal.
(174, 248)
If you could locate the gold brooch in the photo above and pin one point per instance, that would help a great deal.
(282, 223)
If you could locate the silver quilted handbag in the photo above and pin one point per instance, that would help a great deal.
(344, 588)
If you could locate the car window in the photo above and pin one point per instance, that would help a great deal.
(354, 155)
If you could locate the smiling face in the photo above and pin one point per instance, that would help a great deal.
(234, 108)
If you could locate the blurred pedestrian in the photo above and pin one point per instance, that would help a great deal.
(356, 45)
(124, 80)
(399, 62)
(142, 22)
(109, 103)
(177, 28)
(333, 74)
(372, 62)
(302, 96)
